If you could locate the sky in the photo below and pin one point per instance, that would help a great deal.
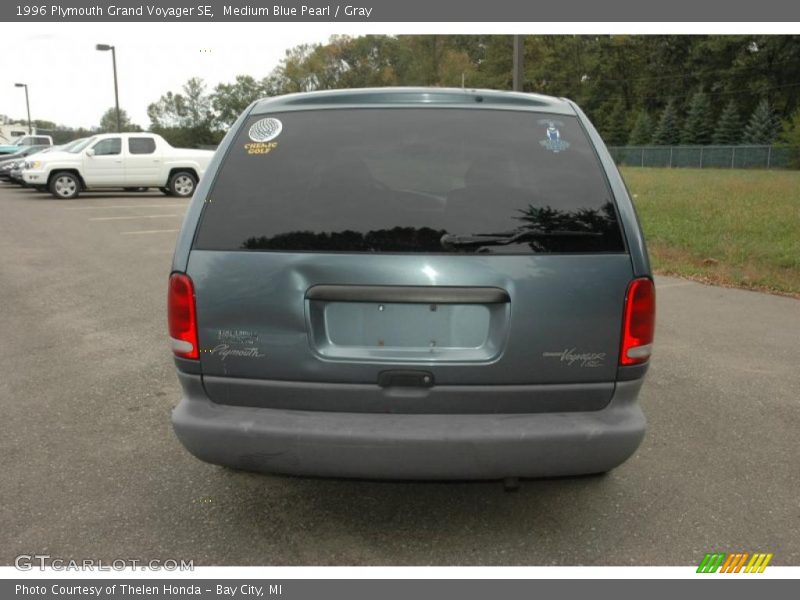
(71, 83)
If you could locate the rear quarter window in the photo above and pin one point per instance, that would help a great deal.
(141, 145)
(411, 180)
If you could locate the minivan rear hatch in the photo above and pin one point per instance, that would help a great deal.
(384, 246)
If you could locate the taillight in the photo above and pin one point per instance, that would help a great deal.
(639, 323)
(182, 316)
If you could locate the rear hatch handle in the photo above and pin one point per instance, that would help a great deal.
(408, 294)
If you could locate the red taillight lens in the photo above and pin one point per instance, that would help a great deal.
(639, 323)
(182, 316)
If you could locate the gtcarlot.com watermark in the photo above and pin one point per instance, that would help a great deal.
(42, 562)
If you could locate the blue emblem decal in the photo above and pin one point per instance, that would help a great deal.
(553, 141)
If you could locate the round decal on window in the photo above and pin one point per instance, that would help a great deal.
(265, 130)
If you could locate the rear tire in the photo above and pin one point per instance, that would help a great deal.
(182, 184)
(65, 185)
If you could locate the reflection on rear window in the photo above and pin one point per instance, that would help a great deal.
(411, 180)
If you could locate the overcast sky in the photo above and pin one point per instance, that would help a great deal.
(71, 83)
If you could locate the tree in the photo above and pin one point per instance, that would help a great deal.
(230, 99)
(791, 137)
(198, 104)
(108, 122)
(601, 73)
(296, 73)
(616, 131)
(191, 109)
(429, 52)
(790, 133)
(41, 124)
(495, 64)
(729, 128)
(763, 126)
(185, 119)
(699, 124)
(667, 132)
(371, 60)
(642, 133)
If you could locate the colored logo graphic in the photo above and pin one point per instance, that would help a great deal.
(265, 130)
(734, 563)
(553, 141)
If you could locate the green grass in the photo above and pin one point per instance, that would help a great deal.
(731, 227)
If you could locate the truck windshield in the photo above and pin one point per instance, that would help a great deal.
(80, 146)
(69, 146)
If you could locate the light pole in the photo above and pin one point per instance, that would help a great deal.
(27, 105)
(104, 48)
(517, 63)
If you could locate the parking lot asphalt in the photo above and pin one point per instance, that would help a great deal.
(91, 468)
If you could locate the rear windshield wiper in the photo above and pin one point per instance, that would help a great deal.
(510, 237)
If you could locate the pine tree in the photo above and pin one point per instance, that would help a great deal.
(791, 137)
(699, 124)
(668, 131)
(763, 126)
(729, 127)
(642, 132)
(791, 130)
(616, 132)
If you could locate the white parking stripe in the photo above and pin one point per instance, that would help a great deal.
(150, 231)
(133, 217)
(124, 206)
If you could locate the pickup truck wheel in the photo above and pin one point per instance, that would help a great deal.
(182, 184)
(65, 186)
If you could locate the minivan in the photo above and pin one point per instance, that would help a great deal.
(411, 283)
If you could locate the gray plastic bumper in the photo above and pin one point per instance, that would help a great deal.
(409, 446)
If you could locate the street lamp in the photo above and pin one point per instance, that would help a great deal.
(104, 48)
(27, 105)
(519, 52)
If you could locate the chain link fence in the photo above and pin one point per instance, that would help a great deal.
(708, 157)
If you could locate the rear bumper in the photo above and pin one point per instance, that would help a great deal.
(409, 446)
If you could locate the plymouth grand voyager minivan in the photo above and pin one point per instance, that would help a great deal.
(410, 283)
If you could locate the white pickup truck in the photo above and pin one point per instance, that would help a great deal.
(118, 160)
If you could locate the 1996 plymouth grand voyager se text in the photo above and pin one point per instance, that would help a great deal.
(412, 283)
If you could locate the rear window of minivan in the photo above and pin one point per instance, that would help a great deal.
(410, 180)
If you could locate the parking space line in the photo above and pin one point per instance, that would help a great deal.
(124, 206)
(134, 217)
(150, 231)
